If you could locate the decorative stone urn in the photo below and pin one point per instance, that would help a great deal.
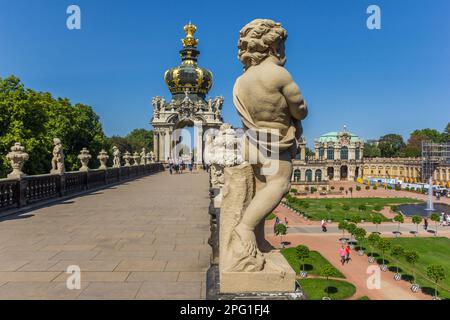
(84, 158)
(135, 159)
(17, 157)
(127, 157)
(103, 158)
(152, 157)
(148, 158)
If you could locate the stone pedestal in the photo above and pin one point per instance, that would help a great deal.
(277, 276)
(243, 268)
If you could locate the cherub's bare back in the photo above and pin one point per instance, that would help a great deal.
(260, 91)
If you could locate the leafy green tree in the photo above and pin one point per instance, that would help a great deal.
(376, 220)
(399, 219)
(384, 245)
(355, 219)
(435, 217)
(397, 251)
(302, 253)
(327, 271)
(35, 118)
(390, 145)
(280, 230)
(412, 257)
(373, 239)
(436, 273)
(371, 150)
(120, 142)
(351, 228)
(343, 226)
(416, 220)
(360, 235)
(446, 133)
(140, 138)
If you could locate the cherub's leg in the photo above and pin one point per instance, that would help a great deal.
(266, 199)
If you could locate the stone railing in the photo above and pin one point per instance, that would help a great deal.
(30, 190)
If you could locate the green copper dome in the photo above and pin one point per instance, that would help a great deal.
(334, 136)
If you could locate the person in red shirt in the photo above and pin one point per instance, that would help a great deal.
(347, 254)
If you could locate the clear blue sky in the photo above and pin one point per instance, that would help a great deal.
(396, 79)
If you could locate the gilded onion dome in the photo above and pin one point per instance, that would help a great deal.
(189, 77)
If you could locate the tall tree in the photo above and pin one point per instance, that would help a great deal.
(390, 145)
(140, 138)
(35, 118)
(414, 146)
(371, 150)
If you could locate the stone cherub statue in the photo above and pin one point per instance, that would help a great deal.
(266, 98)
(116, 160)
(58, 157)
(143, 156)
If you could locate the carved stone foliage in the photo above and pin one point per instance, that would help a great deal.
(237, 255)
(17, 158)
(103, 158)
(84, 158)
(127, 157)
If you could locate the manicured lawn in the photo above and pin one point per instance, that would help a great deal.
(316, 209)
(271, 216)
(431, 250)
(315, 289)
(312, 265)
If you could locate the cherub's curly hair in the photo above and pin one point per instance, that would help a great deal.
(256, 38)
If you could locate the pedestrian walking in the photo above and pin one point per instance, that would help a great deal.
(286, 222)
(425, 224)
(347, 254)
(277, 222)
(342, 254)
(324, 225)
(170, 160)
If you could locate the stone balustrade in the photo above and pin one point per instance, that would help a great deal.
(22, 191)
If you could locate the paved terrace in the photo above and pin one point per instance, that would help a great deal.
(145, 239)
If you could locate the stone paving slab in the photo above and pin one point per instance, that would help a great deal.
(145, 239)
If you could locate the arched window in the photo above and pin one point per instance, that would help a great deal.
(308, 175)
(321, 152)
(297, 175)
(330, 153)
(344, 153)
(330, 173)
(318, 176)
(358, 153)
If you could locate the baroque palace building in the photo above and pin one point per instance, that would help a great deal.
(339, 156)
(408, 170)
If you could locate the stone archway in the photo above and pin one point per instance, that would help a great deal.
(297, 175)
(189, 85)
(330, 173)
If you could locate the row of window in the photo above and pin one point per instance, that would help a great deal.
(344, 153)
(308, 175)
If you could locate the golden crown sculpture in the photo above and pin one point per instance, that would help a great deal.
(190, 40)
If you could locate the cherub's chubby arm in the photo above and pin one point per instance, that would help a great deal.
(293, 96)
